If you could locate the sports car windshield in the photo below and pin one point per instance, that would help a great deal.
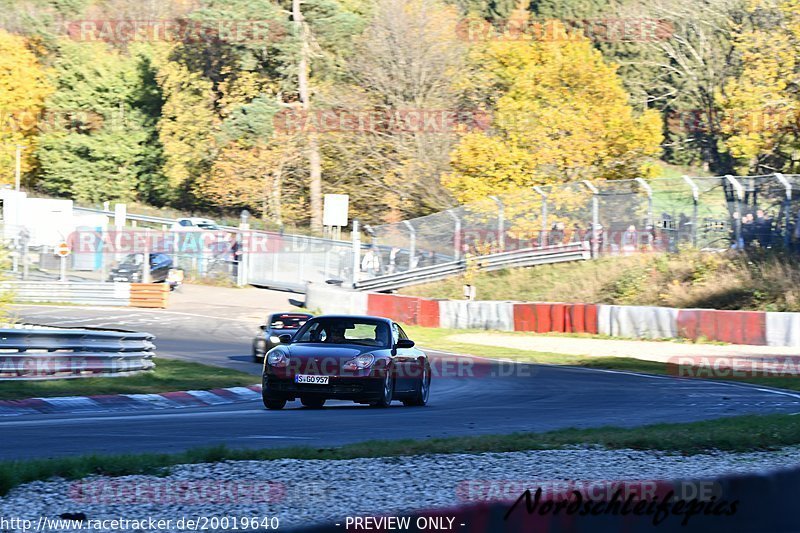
(345, 331)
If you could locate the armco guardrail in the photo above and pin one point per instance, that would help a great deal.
(38, 354)
(518, 258)
(84, 293)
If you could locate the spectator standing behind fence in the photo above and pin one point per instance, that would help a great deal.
(748, 229)
(371, 263)
(763, 229)
(557, 234)
(577, 233)
(629, 240)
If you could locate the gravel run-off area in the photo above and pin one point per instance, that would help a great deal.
(306, 492)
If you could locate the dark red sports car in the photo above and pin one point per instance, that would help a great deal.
(364, 359)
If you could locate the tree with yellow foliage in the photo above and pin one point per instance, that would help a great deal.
(23, 89)
(760, 107)
(560, 114)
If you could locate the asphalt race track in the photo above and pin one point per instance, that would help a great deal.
(491, 398)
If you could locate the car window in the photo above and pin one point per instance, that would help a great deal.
(345, 331)
(287, 321)
(185, 222)
(401, 332)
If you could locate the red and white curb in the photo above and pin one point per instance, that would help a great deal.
(130, 402)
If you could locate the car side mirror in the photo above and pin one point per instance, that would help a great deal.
(263, 327)
(405, 343)
(285, 338)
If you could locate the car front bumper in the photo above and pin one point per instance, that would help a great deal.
(340, 388)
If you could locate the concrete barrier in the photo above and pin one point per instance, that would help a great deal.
(539, 317)
(783, 329)
(580, 318)
(332, 300)
(736, 327)
(637, 322)
(476, 315)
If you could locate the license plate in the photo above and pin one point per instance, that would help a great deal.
(311, 380)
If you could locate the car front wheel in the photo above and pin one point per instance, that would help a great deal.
(387, 390)
(423, 390)
(271, 402)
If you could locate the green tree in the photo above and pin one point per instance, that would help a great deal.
(100, 152)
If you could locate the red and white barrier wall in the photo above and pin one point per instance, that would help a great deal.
(737, 327)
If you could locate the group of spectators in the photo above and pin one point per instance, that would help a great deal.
(755, 228)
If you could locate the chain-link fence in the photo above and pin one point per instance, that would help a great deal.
(616, 217)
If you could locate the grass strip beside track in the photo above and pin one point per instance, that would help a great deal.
(438, 339)
(734, 434)
(169, 375)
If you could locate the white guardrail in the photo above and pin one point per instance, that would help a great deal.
(51, 353)
(82, 293)
(518, 258)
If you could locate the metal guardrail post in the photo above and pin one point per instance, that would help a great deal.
(737, 223)
(456, 234)
(595, 218)
(696, 200)
(501, 223)
(787, 207)
(544, 214)
(412, 244)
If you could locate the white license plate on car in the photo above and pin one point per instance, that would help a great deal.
(311, 380)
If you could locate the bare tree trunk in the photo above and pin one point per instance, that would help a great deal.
(314, 159)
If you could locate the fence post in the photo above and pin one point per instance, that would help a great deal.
(737, 224)
(356, 237)
(696, 199)
(787, 207)
(649, 191)
(543, 234)
(146, 258)
(456, 235)
(501, 223)
(412, 243)
(595, 218)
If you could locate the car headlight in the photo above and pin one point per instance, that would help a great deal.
(361, 362)
(277, 358)
(274, 339)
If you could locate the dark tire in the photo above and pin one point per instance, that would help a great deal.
(313, 403)
(257, 357)
(423, 391)
(387, 391)
(271, 402)
(275, 404)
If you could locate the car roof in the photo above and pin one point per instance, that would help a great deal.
(291, 315)
(355, 317)
(197, 220)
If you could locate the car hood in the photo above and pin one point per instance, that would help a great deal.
(339, 351)
(323, 358)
